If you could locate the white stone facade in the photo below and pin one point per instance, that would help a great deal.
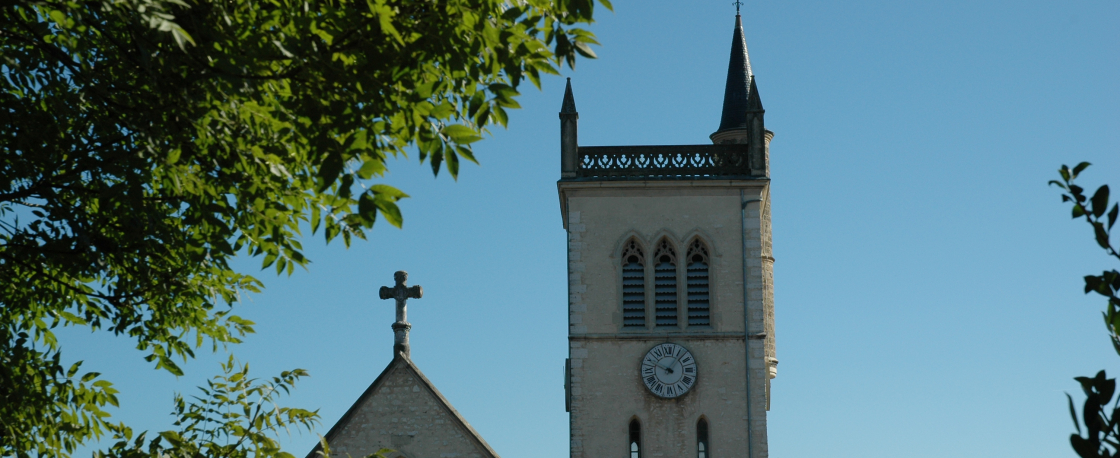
(605, 390)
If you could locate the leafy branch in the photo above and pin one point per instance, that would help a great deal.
(235, 416)
(1101, 420)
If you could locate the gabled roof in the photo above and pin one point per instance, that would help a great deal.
(400, 362)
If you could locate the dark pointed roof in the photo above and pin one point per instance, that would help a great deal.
(738, 82)
(569, 100)
(754, 102)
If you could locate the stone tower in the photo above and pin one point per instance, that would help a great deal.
(671, 322)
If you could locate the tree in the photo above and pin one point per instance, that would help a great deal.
(147, 142)
(1100, 415)
(234, 416)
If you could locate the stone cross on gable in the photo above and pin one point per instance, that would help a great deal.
(401, 293)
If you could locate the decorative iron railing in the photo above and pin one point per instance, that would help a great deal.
(662, 162)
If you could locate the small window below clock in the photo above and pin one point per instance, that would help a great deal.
(702, 439)
(635, 439)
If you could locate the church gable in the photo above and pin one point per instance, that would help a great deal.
(403, 411)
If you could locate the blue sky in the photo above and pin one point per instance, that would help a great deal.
(927, 284)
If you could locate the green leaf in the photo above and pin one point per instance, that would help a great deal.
(172, 437)
(173, 156)
(1073, 414)
(169, 365)
(466, 153)
(1100, 201)
(329, 171)
(70, 317)
(458, 133)
(1077, 170)
(1112, 215)
(585, 50)
(384, 190)
(452, 163)
(1101, 235)
(367, 208)
(1093, 283)
(371, 168)
(391, 212)
(316, 218)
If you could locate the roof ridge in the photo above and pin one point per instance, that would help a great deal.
(398, 360)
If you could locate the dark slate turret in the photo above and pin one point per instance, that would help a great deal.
(569, 105)
(738, 87)
(754, 102)
(569, 138)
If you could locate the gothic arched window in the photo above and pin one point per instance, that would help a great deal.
(699, 313)
(702, 439)
(633, 286)
(635, 439)
(665, 284)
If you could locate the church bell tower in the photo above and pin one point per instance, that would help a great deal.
(670, 286)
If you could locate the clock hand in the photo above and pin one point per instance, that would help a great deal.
(668, 368)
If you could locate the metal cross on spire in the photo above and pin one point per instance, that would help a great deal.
(737, 4)
(402, 294)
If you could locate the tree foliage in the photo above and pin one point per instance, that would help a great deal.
(1099, 414)
(146, 142)
(234, 416)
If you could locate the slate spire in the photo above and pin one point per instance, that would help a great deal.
(754, 102)
(569, 105)
(739, 83)
(569, 134)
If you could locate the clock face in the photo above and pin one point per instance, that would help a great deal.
(668, 370)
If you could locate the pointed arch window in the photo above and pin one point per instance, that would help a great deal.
(702, 449)
(635, 439)
(665, 284)
(699, 313)
(633, 286)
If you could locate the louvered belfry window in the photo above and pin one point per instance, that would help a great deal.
(633, 286)
(699, 313)
(665, 285)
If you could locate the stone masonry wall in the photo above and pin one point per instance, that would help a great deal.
(604, 389)
(404, 415)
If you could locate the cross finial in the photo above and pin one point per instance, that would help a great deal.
(737, 4)
(402, 294)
